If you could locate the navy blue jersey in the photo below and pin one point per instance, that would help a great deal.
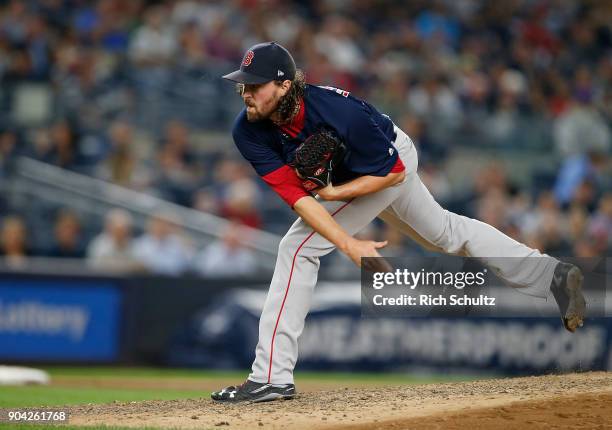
(367, 133)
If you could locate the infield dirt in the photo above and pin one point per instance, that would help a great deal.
(578, 400)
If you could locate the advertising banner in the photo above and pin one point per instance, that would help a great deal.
(339, 335)
(49, 320)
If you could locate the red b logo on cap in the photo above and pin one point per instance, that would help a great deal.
(248, 58)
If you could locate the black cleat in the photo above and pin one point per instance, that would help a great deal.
(252, 391)
(566, 287)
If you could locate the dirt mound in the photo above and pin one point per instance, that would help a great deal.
(582, 400)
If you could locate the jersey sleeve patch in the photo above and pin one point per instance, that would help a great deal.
(340, 91)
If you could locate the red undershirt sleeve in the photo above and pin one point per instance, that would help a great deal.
(285, 182)
(398, 167)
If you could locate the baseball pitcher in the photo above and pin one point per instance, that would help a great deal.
(305, 140)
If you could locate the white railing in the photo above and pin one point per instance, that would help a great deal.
(41, 180)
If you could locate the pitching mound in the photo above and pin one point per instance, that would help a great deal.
(581, 400)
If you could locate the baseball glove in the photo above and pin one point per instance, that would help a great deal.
(317, 156)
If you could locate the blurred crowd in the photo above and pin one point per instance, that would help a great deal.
(162, 248)
(124, 91)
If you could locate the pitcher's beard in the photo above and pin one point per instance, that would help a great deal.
(254, 115)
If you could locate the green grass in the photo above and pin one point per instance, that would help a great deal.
(31, 396)
(236, 376)
(138, 372)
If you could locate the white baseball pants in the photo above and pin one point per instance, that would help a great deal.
(407, 206)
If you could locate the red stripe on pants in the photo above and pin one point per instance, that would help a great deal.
(287, 291)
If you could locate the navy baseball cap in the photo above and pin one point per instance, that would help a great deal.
(263, 63)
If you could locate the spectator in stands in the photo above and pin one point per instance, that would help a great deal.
(239, 195)
(192, 53)
(436, 181)
(162, 249)
(579, 172)
(490, 189)
(177, 140)
(153, 44)
(173, 179)
(68, 240)
(205, 200)
(586, 195)
(62, 147)
(14, 22)
(503, 126)
(336, 41)
(13, 241)
(227, 256)
(106, 23)
(392, 100)
(122, 165)
(113, 248)
(433, 99)
(582, 128)
(533, 220)
(492, 208)
(585, 248)
(600, 225)
(577, 221)
(240, 201)
(8, 150)
(178, 173)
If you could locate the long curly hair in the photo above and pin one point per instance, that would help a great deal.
(287, 105)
